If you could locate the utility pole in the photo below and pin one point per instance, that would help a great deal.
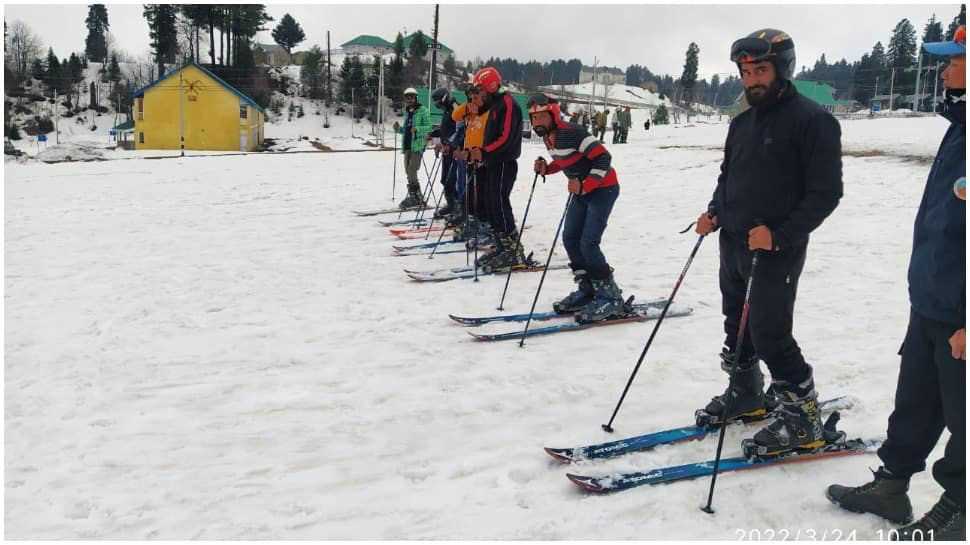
(434, 53)
(181, 116)
(57, 133)
(892, 83)
(353, 112)
(593, 93)
(919, 71)
(936, 81)
(329, 94)
(380, 105)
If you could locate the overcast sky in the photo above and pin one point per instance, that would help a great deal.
(655, 36)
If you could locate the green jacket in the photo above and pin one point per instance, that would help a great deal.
(420, 129)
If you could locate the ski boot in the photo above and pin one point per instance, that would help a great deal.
(885, 496)
(413, 199)
(578, 299)
(797, 426)
(946, 521)
(607, 302)
(484, 261)
(510, 254)
(447, 209)
(744, 394)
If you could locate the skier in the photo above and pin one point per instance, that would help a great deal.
(595, 187)
(443, 100)
(600, 124)
(472, 137)
(616, 125)
(500, 151)
(932, 385)
(781, 176)
(626, 121)
(417, 125)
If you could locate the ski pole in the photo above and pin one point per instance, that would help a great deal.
(428, 194)
(569, 200)
(438, 204)
(518, 239)
(745, 310)
(394, 176)
(477, 229)
(608, 427)
(465, 204)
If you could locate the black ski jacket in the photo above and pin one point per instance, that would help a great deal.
(782, 166)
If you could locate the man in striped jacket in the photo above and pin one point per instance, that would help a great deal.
(594, 185)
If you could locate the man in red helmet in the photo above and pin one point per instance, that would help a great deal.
(780, 178)
(499, 153)
(594, 185)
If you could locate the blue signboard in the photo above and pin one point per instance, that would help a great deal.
(42, 138)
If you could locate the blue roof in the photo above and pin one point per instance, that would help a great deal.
(230, 88)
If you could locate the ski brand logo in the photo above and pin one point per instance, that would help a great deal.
(618, 446)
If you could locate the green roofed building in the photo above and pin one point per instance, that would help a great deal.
(443, 50)
(819, 92)
(367, 45)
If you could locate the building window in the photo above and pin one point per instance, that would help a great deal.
(141, 138)
(243, 112)
(141, 109)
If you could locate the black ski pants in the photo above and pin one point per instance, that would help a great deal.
(930, 395)
(448, 177)
(772, 304)
(497, 191)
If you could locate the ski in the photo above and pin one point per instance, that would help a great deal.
(443, 275)
(397, 231)
(538, 316)
(427, 251)
(666, 437)
(640, 315)
(409, 235)
(625, 481)
(428, 245)
(420, 222)
(389, 210)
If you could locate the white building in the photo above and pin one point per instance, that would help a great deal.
(603, 75)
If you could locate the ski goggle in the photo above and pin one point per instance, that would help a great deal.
(756, 49)
(540, 103)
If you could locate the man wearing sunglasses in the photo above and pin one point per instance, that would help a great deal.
(931, 389)
(781, 176)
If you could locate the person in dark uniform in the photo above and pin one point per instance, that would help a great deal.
(931, 391)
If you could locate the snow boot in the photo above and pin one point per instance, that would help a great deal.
(580, 297)
(798, 424)
(447, 209)
(413, 198)
(510, 255)
(946, 521)
(885, 496)
(607, 302)
(484, 261)
(745, 396)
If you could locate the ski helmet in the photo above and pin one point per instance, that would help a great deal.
(544, 103)
(441, 96)
(767, 44)
(411, 91)
(487, 79)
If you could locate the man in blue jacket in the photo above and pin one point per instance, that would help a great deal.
(932, 385)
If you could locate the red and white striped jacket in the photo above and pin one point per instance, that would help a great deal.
(580, 155)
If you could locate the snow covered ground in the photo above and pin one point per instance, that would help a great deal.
(216, 348)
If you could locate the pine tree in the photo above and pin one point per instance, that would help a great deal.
(95, 45)
(114, 71)
(288, 34)
(311, 73)
(932, 32)
(418, 46)
(660, 116)
(161, 30)
(450, 66)
(715, 89)
(689, 77)
(37, 70)
(345, 80)
(52, 74)
(358, 84)
(960, 19)
(394, 78)
(901, 55)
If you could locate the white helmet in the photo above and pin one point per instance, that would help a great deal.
(410, 91)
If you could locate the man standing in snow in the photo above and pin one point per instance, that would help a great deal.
(417, 125)
(500, 152)
(616, 125)
(626, 121)
(932, 385)
(594, 185)
(781, 176)
(443, 100)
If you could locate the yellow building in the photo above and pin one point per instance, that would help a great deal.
(194, 102)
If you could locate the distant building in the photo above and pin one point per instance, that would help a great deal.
(443, 50)
(367, 45)
(603, 75)
(194, 102)
(271, 55)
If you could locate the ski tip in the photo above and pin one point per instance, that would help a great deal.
(461, 320)
(477, 336)
(560, 454)
(588, 484)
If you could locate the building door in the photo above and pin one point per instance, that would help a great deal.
(243, 141)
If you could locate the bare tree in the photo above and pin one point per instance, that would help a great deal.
(25, 46)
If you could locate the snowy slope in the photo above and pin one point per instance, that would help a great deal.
(215, 348)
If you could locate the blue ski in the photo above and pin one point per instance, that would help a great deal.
(665, 437)
(550, 315)
(639, 315)
(625, 481)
